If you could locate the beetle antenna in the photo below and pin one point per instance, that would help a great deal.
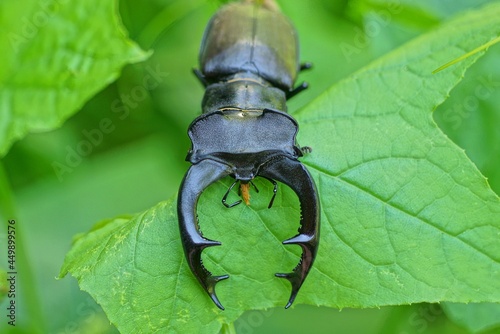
(275, 190)
(226, 194)
(254, 186)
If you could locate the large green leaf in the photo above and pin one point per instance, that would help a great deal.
(55, 56)
(410, 216)
(406, 217)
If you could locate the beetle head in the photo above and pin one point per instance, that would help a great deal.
(242, 139)
(244, 145)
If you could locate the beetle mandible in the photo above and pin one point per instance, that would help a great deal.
(249, 62)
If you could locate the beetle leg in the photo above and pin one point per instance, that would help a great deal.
(295, 175)
(254, 186)
(305, 150)
(224, 198)
(303, 86)
(305, 66)
(291, 93)
(200, 77)
(197, 179)
(275, 191)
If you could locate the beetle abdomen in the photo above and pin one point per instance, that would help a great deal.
(246, 38)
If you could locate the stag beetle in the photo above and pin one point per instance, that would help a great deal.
(249, 62)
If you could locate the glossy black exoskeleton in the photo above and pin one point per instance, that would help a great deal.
(249, 62)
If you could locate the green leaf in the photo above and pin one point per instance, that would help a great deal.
(474, 317)
(56, 55)
(406, 216)
(471, 117)
(136, 267)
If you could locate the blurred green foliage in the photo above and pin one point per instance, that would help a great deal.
(141, 162)
(56, 57)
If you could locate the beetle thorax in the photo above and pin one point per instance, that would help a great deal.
(245, 91)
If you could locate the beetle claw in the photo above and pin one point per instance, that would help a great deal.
(197, 179)
(296, 283)
(292, 173)
(211, 282)
(205, 277)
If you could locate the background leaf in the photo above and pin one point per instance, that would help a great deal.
(475, 317)
(406, 214)
(56, 55)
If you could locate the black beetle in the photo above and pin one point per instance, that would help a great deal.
(249, 62)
